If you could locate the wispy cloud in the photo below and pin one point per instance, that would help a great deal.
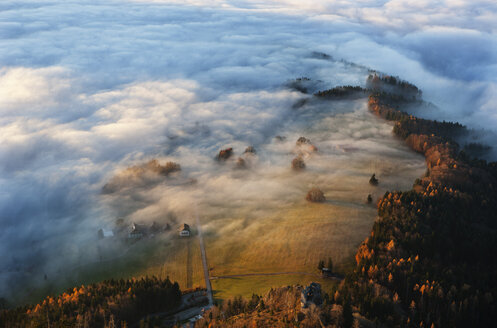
(88, 88)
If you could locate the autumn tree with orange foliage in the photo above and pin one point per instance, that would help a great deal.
(125, 301)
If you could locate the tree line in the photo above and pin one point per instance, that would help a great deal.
(429, 260)
(111, 303)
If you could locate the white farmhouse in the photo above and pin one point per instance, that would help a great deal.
(185, 232)
(137, 231)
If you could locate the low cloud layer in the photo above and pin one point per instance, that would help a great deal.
(89, 88)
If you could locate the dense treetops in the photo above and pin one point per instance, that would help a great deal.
(387, 106)
(429, 260)
(315, 195)
(139, 175)
(373, 180)
(224, 154)
(279, 308)
(346, 91)
(393, 86)
(298, 163)
(97, 305)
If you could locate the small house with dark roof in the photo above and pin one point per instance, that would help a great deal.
(104, 233)
(185, 231)
(137, 231)
(325, 272)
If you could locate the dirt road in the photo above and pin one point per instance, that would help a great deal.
(204, 259)
(337, 277)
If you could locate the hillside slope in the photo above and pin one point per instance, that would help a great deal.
(429, 260)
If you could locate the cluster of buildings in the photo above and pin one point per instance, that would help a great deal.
(138, 231)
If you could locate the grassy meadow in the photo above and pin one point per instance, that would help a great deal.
(292, 239)
(246, 286)
(256, 220)
(266, 226)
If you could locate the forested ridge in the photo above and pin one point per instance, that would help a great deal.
(430, 259)
(111, 303)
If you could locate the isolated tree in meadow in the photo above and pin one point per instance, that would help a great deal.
(224, 154)
(303, 141)
(170, 167)
(330, 264)
(315, 195)
(373, 181)
(370, 199)
(250, 150)
(298, 163)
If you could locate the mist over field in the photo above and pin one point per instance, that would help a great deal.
(89, 88)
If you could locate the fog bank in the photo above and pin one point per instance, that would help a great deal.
(90, 88)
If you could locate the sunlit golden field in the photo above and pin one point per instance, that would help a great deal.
(264, 233)
(256, 220)
(292, 239)
(246, 286)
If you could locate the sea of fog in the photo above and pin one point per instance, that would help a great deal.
(88, 88)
